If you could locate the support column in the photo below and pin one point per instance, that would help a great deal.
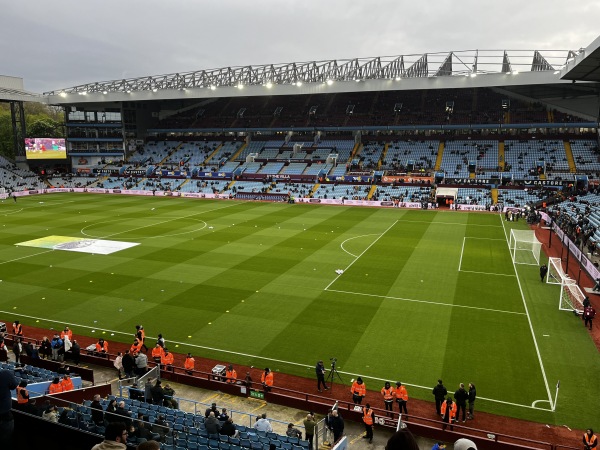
(17, 115)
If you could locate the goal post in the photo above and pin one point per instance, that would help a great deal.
(571, 297)
(524, 247)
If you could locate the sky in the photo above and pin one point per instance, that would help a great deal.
(62, 43)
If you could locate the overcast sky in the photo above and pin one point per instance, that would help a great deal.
(60, 43)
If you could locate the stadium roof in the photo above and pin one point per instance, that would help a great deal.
(11, 89)
(416, 71)
(585, 66)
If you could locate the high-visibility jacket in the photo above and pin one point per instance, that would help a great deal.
(18, 329)
(55, 388)
(368, 416)
(67, 384)
(68, 333)
(158, 352)
(103, 348)
(231, 376)
(136, 348)
(401, 393)
(388, 394)
(452, 410)
(359, 389)
(167, 359)
(189, 363)
(590, 441)
(141, 335)
(267, 379)
(22, 395)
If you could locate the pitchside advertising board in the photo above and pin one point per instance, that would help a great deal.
(45, 148)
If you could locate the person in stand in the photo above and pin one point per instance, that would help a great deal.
(309, 429)
(136, 347)
(102, 347)
(387, 392)
(97, 411)
(293, 432)
(56, 345)
(169, 400)
(17, 328)
(336, 423)
(141, 364)
(118, 363)
(248, 380)
(76, 352)
(231, 375)
(262, 424)
(213, 408)
(320, 371)
(369, 420)
(45, 348)
(472, 397)
(22, 394)
(543, 271)
(189, 364)
(212, 424)
(66, 383)
(223, 416)
(359, 391)
(588, 316)
(66, 332)
(167, 360)
(403, 440)
(115, 437)
(401, 398)
(448, 413)
(267, 380)
(460, 397)
(8, 382)
(18, 349)
(55, 387)
(439, 392)
(590, 441)
(128, 364)
(228, 428)
(157, 353)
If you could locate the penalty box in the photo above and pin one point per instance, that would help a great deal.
(486, 256)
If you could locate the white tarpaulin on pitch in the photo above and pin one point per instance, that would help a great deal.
(82, 245)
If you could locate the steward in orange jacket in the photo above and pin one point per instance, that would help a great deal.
(590, 441)
(67, 383)
(167, 360)
(55, 387)
(140, 335)
(136, 347)
(359, 390)
(66, 332)
(157, 353)
(102, 346)
(17, 328)
(267, 379)
(231, 375)
(22, 393)
(388, 393)
(368, 419)
(188, 364)
(448, 413)
(401, 397)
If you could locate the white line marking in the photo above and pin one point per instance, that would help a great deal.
(427, 302)
(306, 366)
(461, 254)
(139, 238)
(363, 252)
(355, 237)
(537, 349)
(23, 257)
(449, 223)
(485, 239)
(13, 212)
(488, 273)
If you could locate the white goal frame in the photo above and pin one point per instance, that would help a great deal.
(571, 297)
(524, 247)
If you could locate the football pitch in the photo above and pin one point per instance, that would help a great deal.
(423, 294)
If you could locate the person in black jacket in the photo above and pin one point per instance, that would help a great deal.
(128, 364)
(460, 397)
(472, 396)
(97, 411)
(439, 392)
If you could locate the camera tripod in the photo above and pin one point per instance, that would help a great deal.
(332, 374)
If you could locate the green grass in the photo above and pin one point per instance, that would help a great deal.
(255, 283)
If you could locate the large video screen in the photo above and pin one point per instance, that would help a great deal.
(45, 148)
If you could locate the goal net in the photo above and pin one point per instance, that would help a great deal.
(524, 247)
(571, 296)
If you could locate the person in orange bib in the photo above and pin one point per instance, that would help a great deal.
(101, 346)
(55, 386)
(401, 397)
(448, 413)
(17, 328)
(267, 380)
(590, 441)
(66, 332)
(167, 360)
(22, 393)
(359, 390)
(388, 396)
(189, 363)
(140, 335)
(158, 353)
(136, 347)
(230, 375)
(368, 419)
(67, 383)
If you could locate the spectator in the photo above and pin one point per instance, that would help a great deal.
(158, 393)
(118, 363)
(309, 429)
(213, 408)
(141, 364)
(337, 425)
(125, 415)
(18, 349)
(45, 348)
(464, 444)
(212, 424)
(262, 424)
(76, 352)
(161, 427)
(56, 344)
(115, 437)
(50, 414)
(8, 382)
(110, 413)
(402, 440)
(149, 445)
(169, 400)
(97, 411)
(223, 416)
(228, 428)
(128, 364)
(293, 432)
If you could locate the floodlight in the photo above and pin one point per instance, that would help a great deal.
(240, 86)
(298, 83)
(105, 92)
(398, 78)
(329, 82)
(515, 72)
(154, 90)
(212, 87)
(556, 72)
(63, 94)
(473, 75)
(269, 85)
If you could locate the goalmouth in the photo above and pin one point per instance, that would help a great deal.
(571, 296)
(524, 247)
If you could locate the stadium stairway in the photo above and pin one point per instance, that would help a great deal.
(382, 158)
(570, 159)
(357, 149)
(550, 117)
(236, 154)
(170, 153)
(371, 192)
(187, 180)
(501, 159)
(494, 194)
(209, 157)
(229, 186)
(314, 189)
(440, 155)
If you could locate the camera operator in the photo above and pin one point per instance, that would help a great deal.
(320, 371)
